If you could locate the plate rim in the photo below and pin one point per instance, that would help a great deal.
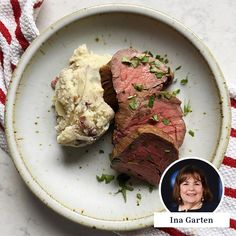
(32, 49)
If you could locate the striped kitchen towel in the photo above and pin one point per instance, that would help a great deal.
(17, 31)
(228, 172)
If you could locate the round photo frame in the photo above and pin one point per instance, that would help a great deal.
(177, 178)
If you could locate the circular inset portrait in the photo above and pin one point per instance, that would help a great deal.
(191, 185)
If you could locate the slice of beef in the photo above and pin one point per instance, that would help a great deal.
(126, 77)
(160, 110)
(118, 72)
(144, 153)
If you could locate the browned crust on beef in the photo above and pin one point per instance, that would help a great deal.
(145, 154)
(148, 129)
(109, 92)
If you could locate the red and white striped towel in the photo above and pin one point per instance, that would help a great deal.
(18, 30)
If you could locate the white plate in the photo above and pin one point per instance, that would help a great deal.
(65, 178)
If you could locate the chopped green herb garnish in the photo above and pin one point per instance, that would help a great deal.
(162, 59)
(138, 87)
(148, 53)
(153, 69)
(159, 57)
(184, 81)
(134, 61)
(101, 151)
(165, 94)
(151, 101)
(159, 75)
(187, 108)
(166, 121)
(133, 104)
(178, 68)
(166, 61)
(168, 71)
(122, 180)
(105, 177)
(139, 196)
(150, 188)
(126, 60)
(144, 59)
(191, 133)
(155, 118)
(174, 93)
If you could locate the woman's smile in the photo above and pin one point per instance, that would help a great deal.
(191, 192)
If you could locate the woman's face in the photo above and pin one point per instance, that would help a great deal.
(191, 190)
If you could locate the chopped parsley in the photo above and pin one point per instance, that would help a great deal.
(122, 180)
(166, 121)
(150, 188)
(148, 53)
(162, 59)
(133, 105)
(134, 61)
(187, 108)
(105, 177)
(166, 61)
(153, 69)
(174, 93)
(184, 81)
(139, 196)
(164, 94)
(178, 68)
(159, 75)
(168, 71)
(151, 101)
(191, 133)
(138, 87)
(144, 59)
(126, 60)
(155, 117)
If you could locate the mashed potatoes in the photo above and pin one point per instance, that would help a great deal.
(82, 114)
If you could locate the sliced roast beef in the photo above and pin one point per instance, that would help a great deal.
(144, 153)
(128, 79)
(148, 124)
(133, 71)
(161, 110)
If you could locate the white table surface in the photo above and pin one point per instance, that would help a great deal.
(21, 213)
